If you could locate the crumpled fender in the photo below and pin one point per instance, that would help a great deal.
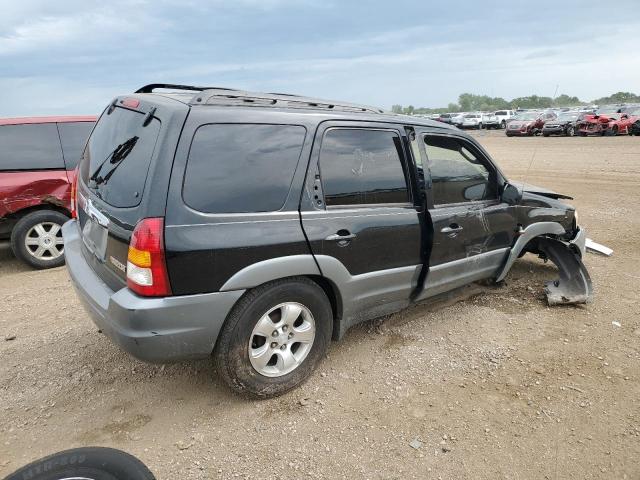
(574, 284)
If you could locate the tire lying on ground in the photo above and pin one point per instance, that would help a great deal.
(87, 463)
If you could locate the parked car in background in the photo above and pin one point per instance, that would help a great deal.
(606, 124)
(635, 113)
(528, 123)
(504, 116)
(38, 156)
(445, 118)
(472, 120)
(267, 224)
(490, 120)
(457, 118)
(565, 124)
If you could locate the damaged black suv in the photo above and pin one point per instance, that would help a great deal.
(255, 227)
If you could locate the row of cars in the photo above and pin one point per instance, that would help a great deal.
(606, 120)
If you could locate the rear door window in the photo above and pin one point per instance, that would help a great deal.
(239, 168)
(458, 173)
(30, 147)
(117, 158)
(73, 136)
(362, 166)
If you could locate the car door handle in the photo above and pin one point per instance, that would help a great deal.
(340, 236)
(454, 227)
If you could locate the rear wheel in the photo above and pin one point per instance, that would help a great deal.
(88, 463)
(36, 239)
(274, 337)
(503, 124)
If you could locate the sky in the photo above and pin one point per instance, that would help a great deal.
(74, 56)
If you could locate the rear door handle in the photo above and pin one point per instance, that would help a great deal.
(454, 227)
(340, 236)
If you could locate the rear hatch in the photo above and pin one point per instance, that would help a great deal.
(124, 176)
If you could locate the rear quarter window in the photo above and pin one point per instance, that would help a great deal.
(240, 168)
(30, 147)
(73, 136)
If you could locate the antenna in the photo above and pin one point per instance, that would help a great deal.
(526, 173)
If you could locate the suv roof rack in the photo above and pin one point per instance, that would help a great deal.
(171, 86)
(234, 97)
(221, 96)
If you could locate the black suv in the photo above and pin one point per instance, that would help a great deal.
(255, 227)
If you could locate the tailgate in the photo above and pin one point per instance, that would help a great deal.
(123, 177)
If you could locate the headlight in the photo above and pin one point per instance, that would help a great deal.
(575, 218)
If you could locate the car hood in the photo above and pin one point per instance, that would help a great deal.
(521, 123)
(558, 122)
(527, 187)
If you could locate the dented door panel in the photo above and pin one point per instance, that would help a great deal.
(20, 190)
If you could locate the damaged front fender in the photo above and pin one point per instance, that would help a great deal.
(574, 284)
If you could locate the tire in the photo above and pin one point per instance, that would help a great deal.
(94, 463)
(240, 336)
(36, 239)
(503, 125)
(571, 131)
(613, 131)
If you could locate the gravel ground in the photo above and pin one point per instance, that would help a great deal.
(491, 384)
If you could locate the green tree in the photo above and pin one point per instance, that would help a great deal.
(619, 97)
(565, 100)
(396, 108)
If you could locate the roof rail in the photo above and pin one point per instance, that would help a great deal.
(228, 97)
(152, 86)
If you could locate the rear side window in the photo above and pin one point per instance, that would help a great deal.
(30, 147)
(117, 158)
(457, 174)
(362, 166)
(238, 168)
(73, 136)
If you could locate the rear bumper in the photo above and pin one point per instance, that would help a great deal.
(155, 330)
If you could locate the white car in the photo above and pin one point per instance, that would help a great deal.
(503, 117)
(490, 120)
(471, 120)
(456, 118)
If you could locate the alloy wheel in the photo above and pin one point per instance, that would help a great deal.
(44, 241)
(281, 339)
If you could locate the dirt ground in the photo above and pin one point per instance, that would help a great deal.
(494, 385)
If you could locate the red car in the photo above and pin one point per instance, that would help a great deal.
(528, 123)
(38, 156)
(609, 124)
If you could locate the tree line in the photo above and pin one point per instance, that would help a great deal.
(469, 102)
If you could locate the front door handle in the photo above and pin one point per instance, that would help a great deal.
(341, 236)
(454, 227)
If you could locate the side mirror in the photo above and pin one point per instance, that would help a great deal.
(511, 194)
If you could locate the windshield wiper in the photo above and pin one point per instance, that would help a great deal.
(121, 152)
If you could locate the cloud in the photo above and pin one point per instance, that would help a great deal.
(77, 55)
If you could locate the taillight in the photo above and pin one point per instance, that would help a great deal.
(74, 194)
(146, 265)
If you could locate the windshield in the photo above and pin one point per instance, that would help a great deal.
(566, 117)
(117, 157)
(607, 109)
(527, 116)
